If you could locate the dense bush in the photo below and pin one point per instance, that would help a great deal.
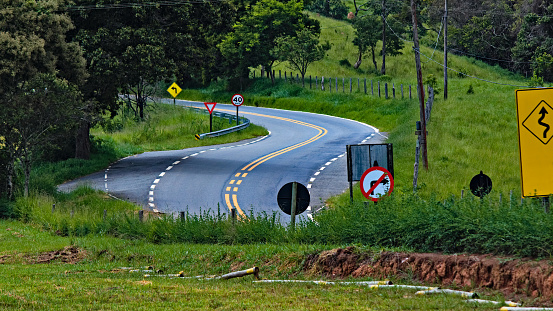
(331, 8)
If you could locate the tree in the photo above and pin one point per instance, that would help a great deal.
(389, 13)
(42, 105)
(300, 50)
(254, 36)
(367, 33)
(32, 44)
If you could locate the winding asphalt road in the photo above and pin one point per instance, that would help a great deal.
(304, 147)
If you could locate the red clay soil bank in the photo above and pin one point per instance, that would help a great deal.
(515, 278)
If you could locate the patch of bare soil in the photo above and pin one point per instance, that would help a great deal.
(517, 279)
(69, 255)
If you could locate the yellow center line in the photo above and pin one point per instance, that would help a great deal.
(227, 200)
(321, 132)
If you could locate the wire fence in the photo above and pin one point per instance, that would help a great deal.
(374, 87)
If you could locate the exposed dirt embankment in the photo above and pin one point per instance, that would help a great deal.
(515, 278)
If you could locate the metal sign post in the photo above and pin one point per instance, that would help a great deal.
(364, 156)
(293, 199)
(210, 107)
(237, 100)
(174, 90)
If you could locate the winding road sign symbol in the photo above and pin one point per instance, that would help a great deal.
(539, 122)
(376, 182)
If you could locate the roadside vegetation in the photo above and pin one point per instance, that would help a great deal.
(474, 130)
(76, 273)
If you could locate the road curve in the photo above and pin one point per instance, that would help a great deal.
(304, 147)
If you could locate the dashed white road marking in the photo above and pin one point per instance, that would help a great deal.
(157, 180)
(319, 171)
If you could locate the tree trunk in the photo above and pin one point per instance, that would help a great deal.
(82, 143)
(374, 59)
(383, 70)
(10, 174)
(27, 169)
(358, 62)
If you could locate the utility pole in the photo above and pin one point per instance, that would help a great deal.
(420, 87)
(445, 51)
(383, 70)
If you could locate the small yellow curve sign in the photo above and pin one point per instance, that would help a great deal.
(535, 130)
(174, 90)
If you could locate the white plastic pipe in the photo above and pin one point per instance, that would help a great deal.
(448, 291)
(523, 308)
(369, 283)
(508, 303)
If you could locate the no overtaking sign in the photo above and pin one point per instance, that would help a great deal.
(376, 183)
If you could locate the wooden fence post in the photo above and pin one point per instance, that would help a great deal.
(141, 215)
(379, 89)
(365, 85)
(372, 89)
(386, 90)
(394, 90)
(410, 96)
(343, 85)
(402, 91)
(309, 81)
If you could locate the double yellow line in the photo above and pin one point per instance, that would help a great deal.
(232, 187)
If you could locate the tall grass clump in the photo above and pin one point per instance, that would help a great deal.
(467, 225)
(406, 221)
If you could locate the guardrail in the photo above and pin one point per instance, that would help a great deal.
(244, 123)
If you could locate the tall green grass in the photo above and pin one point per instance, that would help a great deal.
(404, 221)
(169, 127)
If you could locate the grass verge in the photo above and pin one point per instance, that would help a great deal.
(97, 282)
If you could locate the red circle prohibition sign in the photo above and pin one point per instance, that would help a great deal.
(376, 182)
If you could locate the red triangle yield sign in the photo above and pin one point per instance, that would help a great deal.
(210, 107)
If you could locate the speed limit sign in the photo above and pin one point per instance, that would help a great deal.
(237, 100)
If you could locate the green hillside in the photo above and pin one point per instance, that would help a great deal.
(474, 130)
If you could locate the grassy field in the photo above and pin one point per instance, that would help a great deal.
(98, 282)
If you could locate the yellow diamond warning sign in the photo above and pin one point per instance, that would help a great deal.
(535, 133)
(174, 90)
